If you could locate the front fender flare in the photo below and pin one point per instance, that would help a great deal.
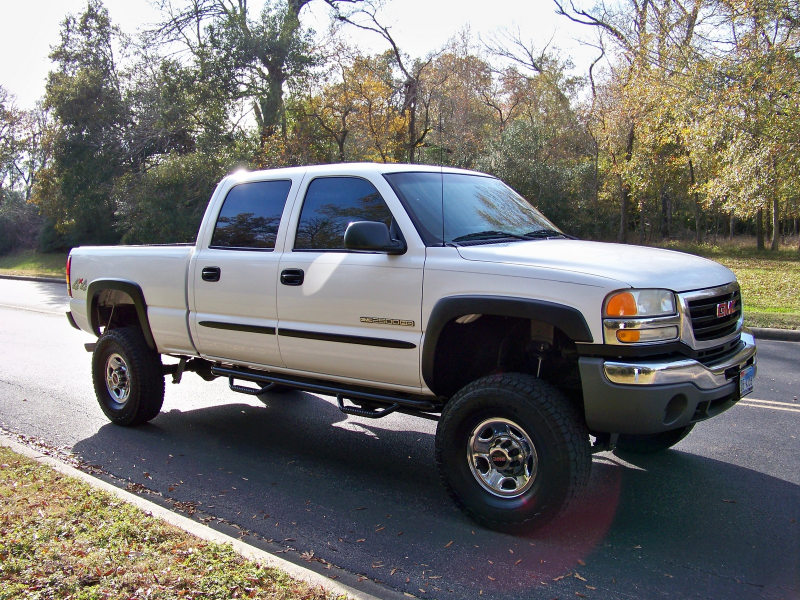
(566, 318)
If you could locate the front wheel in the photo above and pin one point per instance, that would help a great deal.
(650, 444)
(127, 377)
(512, 451)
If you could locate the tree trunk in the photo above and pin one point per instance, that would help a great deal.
(733, 226)
(760, 229)
(776, 226)
(698, 238)
(625, 192)
(623, 212)
(666, 214)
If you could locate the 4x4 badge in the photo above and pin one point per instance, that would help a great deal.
(79, 285)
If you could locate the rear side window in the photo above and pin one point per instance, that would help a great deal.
(250, 215)
(331, 204)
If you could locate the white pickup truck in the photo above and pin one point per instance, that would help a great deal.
(431, 291)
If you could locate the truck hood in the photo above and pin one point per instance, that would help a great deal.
(635, 266)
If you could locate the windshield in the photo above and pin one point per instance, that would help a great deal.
(457, 208)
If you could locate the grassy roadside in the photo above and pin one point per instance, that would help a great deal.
(59, 538)
(34, 264)
(770, 280)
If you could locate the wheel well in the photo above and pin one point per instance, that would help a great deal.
(473, 346)
(114, 303)
(115, 309)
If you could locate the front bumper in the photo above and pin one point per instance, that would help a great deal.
(643, 397)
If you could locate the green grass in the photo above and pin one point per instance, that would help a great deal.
(60, 538)
(770, 280)
(34, 264)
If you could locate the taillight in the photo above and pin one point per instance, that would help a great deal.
(69, 283)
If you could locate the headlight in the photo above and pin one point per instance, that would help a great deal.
(640, 303)
(640, 316)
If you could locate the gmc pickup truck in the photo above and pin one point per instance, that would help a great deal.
(430, 291)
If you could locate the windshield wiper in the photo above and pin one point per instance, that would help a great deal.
(488, 235)
(547, 233)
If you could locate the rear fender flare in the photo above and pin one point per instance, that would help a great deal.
(123, 285)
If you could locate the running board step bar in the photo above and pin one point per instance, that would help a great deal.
(390, 403)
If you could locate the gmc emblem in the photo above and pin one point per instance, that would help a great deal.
(726, 308)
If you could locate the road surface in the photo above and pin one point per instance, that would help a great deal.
(717, 517)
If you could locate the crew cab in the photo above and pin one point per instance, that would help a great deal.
(431, 291)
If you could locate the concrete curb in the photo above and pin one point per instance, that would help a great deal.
(779, 335)
(197, 529)
(39, 279)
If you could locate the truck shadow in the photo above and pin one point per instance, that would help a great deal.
(354, 490)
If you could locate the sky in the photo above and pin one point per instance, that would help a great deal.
(29, 29)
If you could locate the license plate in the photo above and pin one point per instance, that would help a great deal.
(746, 377)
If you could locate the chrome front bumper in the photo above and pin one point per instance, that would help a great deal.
(682, 371)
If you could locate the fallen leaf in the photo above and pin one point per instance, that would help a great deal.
(393, 571)
(559, 578)
(668, 575)
(519, 561)
(289, 540)
(379, 529)
(491, 578)
(362, 508)
(579, 577)
(407, 594)
(581, 563)
(401, 533)
(510, 550)
(729, 501)
(579, 595)
(637, 547)
(361, 540)
(588, 587)
(448, 544)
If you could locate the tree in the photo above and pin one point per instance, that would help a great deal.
(87, 137)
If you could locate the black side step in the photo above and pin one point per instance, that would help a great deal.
(365, 412)
(389, 403)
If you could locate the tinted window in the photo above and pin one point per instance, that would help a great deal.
(250, 215)
(331, 204)
(456, 208)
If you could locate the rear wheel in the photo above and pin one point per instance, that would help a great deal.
(650, 444)
(127, 377)
(512, 451)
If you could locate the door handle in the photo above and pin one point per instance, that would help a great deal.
(211, 273)
(292, 277)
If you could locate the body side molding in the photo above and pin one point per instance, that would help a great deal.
(123, 285)
(567, 319)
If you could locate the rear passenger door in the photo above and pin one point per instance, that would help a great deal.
(347, 314)
(235, 275)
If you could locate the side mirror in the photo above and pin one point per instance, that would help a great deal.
(369, 236)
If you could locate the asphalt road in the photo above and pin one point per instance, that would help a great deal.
(717, 517)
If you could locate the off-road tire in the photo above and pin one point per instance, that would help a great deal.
(143, 370)
(553, 424)
(650, 444)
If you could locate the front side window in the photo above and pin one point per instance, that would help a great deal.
(450, 208)
(250, 215)
(331, 204)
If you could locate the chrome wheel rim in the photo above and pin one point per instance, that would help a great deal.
(502, 458)
(118, 380)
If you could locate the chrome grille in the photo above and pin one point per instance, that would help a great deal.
(705, 322)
